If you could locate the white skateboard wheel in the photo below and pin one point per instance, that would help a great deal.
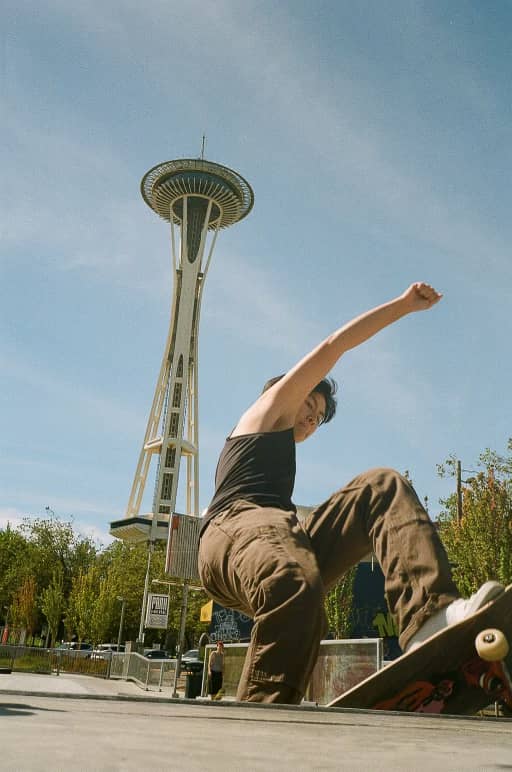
(491, 645)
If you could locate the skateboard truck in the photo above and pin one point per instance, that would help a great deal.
(490, 671)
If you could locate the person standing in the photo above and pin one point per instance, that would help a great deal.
(216, 671)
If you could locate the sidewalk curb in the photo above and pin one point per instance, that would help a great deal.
(76, 696)
(205, 702)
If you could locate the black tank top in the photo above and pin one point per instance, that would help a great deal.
(259, 468)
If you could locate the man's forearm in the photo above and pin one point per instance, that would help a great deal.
(367, 325)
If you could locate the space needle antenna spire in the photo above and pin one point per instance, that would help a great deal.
(197, 198)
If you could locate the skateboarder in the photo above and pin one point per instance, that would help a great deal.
(255, 557)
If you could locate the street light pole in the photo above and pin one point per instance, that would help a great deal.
(140, 639)
(459, 491)
(181, 640)
(6, 631)
(121, 623)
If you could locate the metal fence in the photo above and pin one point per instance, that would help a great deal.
(146, 673)
(31, 659)
(341, 664)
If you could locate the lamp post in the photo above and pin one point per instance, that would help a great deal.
(458, 477)
(5, 635)
(121, 622)
(140, 639)
(459, 481)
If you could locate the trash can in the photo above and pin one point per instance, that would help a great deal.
(193, 683)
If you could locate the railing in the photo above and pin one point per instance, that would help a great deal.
(146, 673)
(341, 664)
(117, 664)
(31, 659)
(26, 659)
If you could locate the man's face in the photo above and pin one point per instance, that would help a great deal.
(309, 417)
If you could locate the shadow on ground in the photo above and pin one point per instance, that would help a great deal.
(17, 709)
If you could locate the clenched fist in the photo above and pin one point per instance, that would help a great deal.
(420, 296)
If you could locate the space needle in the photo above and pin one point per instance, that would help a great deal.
(198, 198)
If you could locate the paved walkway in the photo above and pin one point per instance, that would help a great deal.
(67, 684)
(82, 723)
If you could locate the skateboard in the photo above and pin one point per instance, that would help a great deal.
(459, 671)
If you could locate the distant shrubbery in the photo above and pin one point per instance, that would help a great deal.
(56, 584)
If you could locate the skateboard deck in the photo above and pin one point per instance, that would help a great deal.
(446, 674)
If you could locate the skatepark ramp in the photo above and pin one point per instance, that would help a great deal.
(341, 665)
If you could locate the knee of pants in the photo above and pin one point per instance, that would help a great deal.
(290, 595)
(387, 483)
(384, 476)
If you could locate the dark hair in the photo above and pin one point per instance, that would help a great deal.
(327, 388)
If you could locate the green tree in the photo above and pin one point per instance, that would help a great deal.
(338, 605)
(14, 550)
(103, 619)
(125, 565)
(23, 608)
(53, 603)
(53, 542)
(480, 544)
(77, 580)
(35, 549)
(81, 605)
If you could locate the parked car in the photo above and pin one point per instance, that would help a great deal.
(156, 654)
(191, 662)
(80, 649)
(104, 650)
(192, 654)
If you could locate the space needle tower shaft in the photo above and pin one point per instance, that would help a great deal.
(197, 198)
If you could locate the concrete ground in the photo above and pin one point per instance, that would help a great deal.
(82, 723)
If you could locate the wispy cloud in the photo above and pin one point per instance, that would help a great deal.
(338, 134)
(64, 506)
(85, 402)
(10, 516)
(79, 226)
(258, 297)
(100, 536)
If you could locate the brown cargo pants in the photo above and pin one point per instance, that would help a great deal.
(261, 561)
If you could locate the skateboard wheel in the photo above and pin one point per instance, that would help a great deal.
(491, 645)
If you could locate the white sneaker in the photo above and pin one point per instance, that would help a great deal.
(457, 611)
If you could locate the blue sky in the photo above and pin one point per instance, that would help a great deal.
(377, 138)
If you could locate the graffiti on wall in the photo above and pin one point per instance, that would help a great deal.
(228, 625)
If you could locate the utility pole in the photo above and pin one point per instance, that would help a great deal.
(121, 623)
(183, 621)
(140, 639)
(458, 475)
